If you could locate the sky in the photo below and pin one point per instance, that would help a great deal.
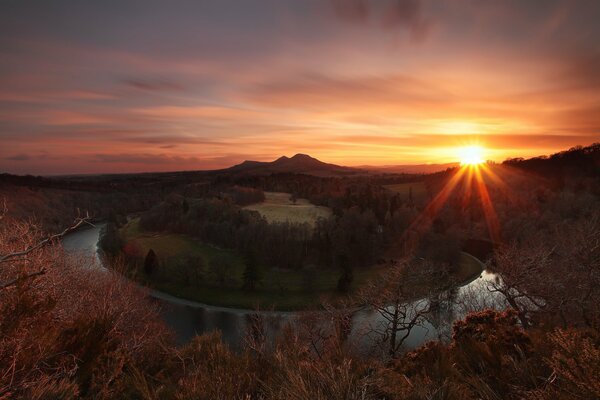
(148, 85)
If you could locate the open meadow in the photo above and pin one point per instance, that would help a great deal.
(278, 207)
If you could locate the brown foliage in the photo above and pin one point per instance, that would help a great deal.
(213, 371)
(73, 331)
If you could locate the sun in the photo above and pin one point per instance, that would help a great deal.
(471, 155)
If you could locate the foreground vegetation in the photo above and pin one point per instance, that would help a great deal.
(79, 333)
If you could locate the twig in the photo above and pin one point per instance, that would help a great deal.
(78, 222)
(4, 209)
(21, 278)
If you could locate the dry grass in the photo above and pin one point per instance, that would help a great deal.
(73, 331)
(278, 207)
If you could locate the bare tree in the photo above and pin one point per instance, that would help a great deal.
(557, 279)
(394, 297)
(522, 278)
(327, 331)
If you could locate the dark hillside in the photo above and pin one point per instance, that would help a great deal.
(577, 161)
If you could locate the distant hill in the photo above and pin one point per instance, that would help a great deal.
(578, 161)
(298, 164)
(408, 169)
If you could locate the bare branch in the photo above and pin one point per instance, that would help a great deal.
(4, 209)
(21, 278)
(18, 254)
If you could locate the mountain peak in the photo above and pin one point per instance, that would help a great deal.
(298, 158)
(281, 159)
(301, 160)
(301, 156)
(248, 162)
(299, 163)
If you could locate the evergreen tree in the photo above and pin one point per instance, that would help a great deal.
(110, 240)
(251, 272)
(150, 262)
(347, 277)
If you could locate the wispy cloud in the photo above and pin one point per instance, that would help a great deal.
(18, 157)
(156, 84)
(407, 14)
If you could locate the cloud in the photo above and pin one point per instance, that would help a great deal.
(18, 96)
(149, 159)
(494, 141)
(153, 85)
(18, 157)
(63, 117)
(582, 71)
(389, 14)
(198, 113)
(327, 92)
(351, 10)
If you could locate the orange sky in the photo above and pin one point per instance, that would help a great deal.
(150, 86)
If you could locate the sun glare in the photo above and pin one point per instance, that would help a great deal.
(471, 155)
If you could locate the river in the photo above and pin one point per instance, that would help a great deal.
(188, 318)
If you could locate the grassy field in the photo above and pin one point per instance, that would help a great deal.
(279, 289)
(419, 191)
(278, 207)
(170, 247)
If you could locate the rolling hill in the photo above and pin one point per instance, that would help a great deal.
(298, 164)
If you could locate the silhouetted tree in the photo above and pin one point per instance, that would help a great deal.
(221, 267)
(251, 274)
(110, 241)
(150, 262)
(347, 277)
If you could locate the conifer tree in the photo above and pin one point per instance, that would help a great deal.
(150, 262)
(251, 274)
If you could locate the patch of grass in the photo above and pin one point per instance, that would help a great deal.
(278, 207)
(419, 191)
(172, 246)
